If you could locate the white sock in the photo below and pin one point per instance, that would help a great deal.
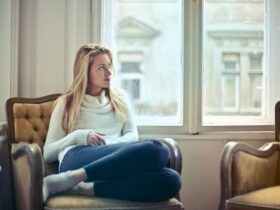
(57, 183)
(83, 188)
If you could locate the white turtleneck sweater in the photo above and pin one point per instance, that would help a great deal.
(96, 114)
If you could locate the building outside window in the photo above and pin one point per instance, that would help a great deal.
(255, 81)
(132, 80)
(233, 44)
(230, 83)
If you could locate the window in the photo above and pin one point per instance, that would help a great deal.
(148, 47)
(222, 73)
(131, 77)
(132, 86)
(230, 83)
(130, 67)
(255, 82)
(234, 32)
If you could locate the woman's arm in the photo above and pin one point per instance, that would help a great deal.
(57, 139)
(129, 130)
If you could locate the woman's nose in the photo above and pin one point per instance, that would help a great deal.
(108, 72)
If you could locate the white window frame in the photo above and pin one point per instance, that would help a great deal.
(192, 74)
(271, 63)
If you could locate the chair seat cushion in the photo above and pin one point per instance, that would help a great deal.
(73, 202)
(264, 199)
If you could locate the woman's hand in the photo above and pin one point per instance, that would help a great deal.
(95, 138)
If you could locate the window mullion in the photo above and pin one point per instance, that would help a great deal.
(193, 54)
(96, 20)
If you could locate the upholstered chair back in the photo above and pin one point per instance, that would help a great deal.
(28, 119)
(261, 165)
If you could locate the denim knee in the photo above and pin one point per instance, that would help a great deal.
(157, 152)
(171, 179)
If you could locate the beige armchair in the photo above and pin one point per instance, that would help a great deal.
(28, 120)
(250, 178)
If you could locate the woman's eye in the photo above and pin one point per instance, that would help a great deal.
(103, 68)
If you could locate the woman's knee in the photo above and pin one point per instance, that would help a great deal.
(156, 151)
(171, 179)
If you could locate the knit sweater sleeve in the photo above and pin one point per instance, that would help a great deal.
(57, 139)
(129, 130)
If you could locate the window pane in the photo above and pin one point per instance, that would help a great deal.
(132, 87)
(255, 61)
(255, 92)
(229, 92)
(147, 48)
(130, 67)
(233, 45)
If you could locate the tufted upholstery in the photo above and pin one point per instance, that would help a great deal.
(28, 118)
(31, 122)
(28, 121)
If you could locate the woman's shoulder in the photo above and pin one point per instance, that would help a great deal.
(61, 99)
(59, 102)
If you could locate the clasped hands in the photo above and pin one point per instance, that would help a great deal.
(96, 138)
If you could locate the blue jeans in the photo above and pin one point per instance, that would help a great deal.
(130, 171)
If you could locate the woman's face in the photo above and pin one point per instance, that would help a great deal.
(99, 75)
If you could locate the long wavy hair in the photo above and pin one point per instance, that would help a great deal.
(74, 96)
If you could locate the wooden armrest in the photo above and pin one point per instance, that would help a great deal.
(244, 169)
(27, 167)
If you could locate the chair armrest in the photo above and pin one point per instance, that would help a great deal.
(27, 167)
(175, 160)
(244, 169)
(3, 128)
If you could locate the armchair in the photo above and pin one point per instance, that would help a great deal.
(250, 178)
(28, 120)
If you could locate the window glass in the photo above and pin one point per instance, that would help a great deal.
(233, 46)
(147, 47)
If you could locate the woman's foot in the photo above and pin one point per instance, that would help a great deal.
(83, 188)
(57, 183)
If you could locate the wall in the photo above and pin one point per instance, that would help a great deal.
(5, 52)
(50, 34)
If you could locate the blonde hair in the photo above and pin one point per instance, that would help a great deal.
(74, 96)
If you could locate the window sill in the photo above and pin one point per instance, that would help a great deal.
(234, 135)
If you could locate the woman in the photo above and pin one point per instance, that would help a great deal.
(94, 138)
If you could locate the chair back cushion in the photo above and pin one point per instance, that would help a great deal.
(28, 118)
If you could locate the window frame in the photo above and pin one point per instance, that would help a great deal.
(149, 129)
(271, 34)
(192, 99)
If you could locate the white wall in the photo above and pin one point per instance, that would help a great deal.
(5, 52)
(50, 33)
